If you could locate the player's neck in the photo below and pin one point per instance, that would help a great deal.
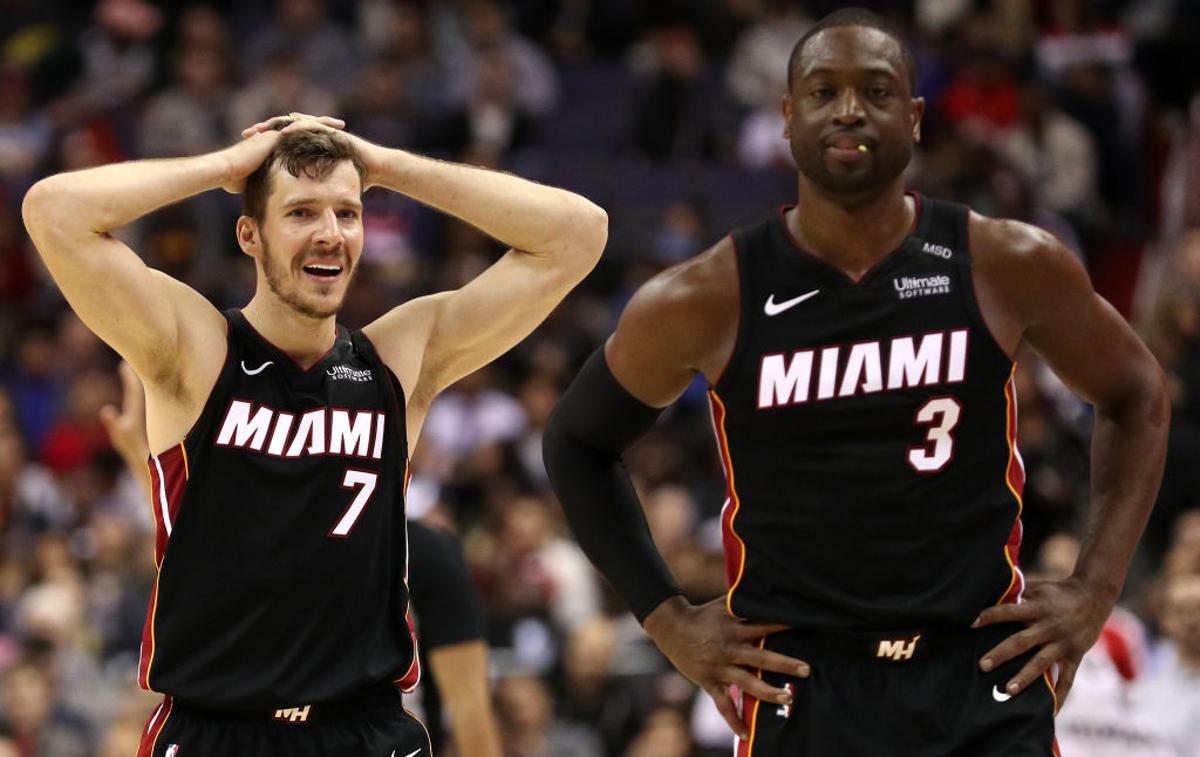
(851, 236)
(305, 339)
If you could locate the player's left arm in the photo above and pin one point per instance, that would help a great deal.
(556, 237)
(1037, 291)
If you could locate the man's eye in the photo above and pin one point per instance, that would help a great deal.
(298, 212)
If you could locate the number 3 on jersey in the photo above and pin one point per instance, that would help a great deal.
(355, 478)
(941, 415)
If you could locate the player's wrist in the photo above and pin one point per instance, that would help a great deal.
(665, 615)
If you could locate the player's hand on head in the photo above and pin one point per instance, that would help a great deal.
(293, 122)
(126, 426)
(1063, 619)
(243, 158)
(716, 651)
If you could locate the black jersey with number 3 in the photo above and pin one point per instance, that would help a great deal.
(281, 536)
(868, 435)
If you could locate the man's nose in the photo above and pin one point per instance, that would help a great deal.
(329, 231)
(848, 110)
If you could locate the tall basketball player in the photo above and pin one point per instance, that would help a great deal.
(858, 348)
(278, 624)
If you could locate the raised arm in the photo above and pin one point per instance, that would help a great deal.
(681, 323)
(556, 239)
(166, 330)
(1036, 290)
(141, 313)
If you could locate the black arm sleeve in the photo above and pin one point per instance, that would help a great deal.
(595, 421)
(444, 599)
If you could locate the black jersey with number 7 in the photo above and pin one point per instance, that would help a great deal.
(281, 544)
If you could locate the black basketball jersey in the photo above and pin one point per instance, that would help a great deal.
(281, 542)
(867, 431)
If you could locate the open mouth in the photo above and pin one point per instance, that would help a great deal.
(323, 270)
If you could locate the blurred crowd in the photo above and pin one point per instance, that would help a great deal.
(1080, 116)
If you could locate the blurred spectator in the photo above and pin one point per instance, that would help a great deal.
(279, 85)
(483, 30)
(982, 96)
(757, 73)
(529, 726)
(1172, 696)
(494, 120)
(188, 119)
(35, 722)
(591, 691)
(1054, 153)
(676, 114)
(118, 54)
(1099, 718)
(24, 135)
(325, 52)
(32, 382)
(664, 735)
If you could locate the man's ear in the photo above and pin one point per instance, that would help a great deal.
(918, 112)
(248, 236)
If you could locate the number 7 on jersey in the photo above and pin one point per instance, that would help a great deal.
(365, 482)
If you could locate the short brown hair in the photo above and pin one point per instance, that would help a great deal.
(313, 153)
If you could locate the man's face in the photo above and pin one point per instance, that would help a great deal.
(311, 239)
(850, 89)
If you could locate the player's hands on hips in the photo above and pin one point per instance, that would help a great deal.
(715, 651)
(126, 426)
(1063, 619)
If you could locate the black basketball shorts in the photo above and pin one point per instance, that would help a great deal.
(904, 694)
(372, 725)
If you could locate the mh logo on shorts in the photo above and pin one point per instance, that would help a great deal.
(899, 649)
(785, 710)
(172, 750)
(293, 714)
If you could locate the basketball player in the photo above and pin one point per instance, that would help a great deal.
(448, 608)
(858, 348)
(278, 623)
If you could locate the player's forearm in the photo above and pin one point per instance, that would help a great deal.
(1128, 451)
(460, 672)
(595, 421)
(99, 200)
(522, 214)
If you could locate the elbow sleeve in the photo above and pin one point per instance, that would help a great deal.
(594, 422)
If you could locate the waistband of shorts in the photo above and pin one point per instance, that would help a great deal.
(891, 647)
(369, 700)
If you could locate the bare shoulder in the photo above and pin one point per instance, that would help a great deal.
(1019, 269)
(681, 322)
(400, 336)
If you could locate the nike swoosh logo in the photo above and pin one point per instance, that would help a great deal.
(775, 308)
(257, 371)
(410, 754)
(997, 694)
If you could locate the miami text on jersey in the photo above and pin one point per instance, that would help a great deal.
(323, 431)
(937, 357)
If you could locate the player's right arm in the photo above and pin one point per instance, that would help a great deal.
(141, 313)
(683, 322)
(167, 331)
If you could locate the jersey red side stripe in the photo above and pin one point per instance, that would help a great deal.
(412, 676)
(734, 547)
(168, 478)
(1014, 477)
(154, 727)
